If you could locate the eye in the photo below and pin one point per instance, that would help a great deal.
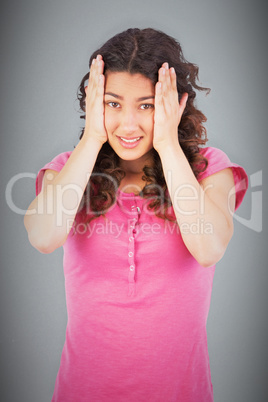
(147, 106)
(113, 105)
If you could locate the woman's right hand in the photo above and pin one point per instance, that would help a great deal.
(94, 127)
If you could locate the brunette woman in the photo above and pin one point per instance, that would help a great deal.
(143, 211)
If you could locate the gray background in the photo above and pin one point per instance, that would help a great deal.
(45, 47)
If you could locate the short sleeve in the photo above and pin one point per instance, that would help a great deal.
(217, 161)
(56, 164)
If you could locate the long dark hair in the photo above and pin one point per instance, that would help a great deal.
(144, 51)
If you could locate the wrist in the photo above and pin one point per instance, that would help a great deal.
(92, 142)
(168, 146)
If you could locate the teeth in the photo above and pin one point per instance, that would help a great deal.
(129, 141)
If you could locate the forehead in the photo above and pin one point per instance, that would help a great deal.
(124, 83)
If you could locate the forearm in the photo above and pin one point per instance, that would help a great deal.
(50, 216)
(205, 229)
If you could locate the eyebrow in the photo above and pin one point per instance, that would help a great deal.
(142, 98)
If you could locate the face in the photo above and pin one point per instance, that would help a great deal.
(129, 115)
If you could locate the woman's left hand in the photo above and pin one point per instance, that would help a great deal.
(168, 109)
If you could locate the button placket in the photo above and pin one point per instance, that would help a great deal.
(131, 206)
(131, 247)
(131, 262)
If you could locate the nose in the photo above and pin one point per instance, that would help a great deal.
(129, 122)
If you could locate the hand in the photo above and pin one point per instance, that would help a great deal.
(168, 109)
(94, 126)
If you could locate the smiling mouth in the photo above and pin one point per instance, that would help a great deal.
(130, 141)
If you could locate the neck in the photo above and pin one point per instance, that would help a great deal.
(136, 166)
(132, 181)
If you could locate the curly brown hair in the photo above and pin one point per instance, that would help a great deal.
(144, 51)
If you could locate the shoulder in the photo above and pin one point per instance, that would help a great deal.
(58, 161)
(218, 161)
(56, 164)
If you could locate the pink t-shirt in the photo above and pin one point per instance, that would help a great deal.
(137, 304)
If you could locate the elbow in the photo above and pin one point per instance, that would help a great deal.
(45, 249)
(209, 261)
(43, 240)
(43, 246)
(213, 253)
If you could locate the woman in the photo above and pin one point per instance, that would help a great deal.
(143, 213)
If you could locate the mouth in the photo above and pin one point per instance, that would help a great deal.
(129, 142)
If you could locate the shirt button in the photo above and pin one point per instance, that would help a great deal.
(130, 254)
(131, 267)
(131, 238)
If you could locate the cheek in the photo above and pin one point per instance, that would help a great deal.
(150, 124)
(109, 121)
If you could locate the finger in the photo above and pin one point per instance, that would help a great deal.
(100, 88)
(92, 69)
(173, 84)
(163, 94)
(173, 79)
(97, 67)
(162, 78)
(183, 100)
(158, 90)
(167, 75)
(183, 103)
(95, 94)
(158, 95)
(100, 77)
(91, 76)
(100, 64)
(166, 78)
(165, 65)
(160, 104)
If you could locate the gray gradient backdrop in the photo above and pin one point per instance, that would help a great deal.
(45, 47)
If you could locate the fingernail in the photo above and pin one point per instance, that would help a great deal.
(93, 61)
(172, 70)
(166, 66)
